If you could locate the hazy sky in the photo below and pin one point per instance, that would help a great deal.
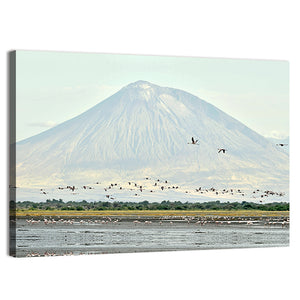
(53, 87)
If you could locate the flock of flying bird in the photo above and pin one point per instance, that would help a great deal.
(152, 186)
(195, 142)
(163, 185)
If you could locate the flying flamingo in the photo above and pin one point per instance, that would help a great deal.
(193, 142)
(222, 150)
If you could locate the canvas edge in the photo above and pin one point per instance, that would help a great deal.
(12, 152)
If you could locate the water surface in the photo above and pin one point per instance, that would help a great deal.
(73, 237)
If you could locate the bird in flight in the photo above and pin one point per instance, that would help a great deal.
(281, 145)
(194, 142)
(222, 150)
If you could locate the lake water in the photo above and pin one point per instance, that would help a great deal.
(66, 237)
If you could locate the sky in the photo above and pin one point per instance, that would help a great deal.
(53, 87)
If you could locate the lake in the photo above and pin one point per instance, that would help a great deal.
(74, 236)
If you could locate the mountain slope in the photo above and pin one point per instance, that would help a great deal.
(144, 129)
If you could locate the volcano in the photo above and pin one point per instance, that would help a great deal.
(145, 130)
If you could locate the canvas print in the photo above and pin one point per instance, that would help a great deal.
(116, 153)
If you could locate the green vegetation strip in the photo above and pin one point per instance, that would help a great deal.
(83, 208)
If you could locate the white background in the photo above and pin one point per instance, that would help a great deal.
(231, 29)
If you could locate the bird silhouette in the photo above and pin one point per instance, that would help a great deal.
(281, 145)
(222, 150)
(193, 142)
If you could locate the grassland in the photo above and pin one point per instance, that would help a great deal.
(150, 213)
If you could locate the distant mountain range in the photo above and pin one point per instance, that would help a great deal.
(145, 130)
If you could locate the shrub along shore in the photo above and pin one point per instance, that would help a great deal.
(81, 208)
